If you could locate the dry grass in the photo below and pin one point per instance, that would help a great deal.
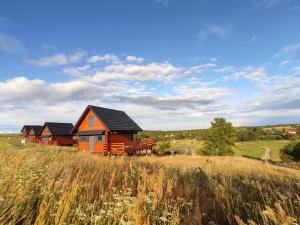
(45, 185)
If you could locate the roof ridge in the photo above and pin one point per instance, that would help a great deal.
(94, 106)
(59, 123)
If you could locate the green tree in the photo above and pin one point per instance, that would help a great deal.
(220, 138)
(290, 152)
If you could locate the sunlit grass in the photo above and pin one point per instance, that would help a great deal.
(255, 149)
(52, 185)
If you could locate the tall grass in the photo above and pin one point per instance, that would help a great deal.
(47, 185)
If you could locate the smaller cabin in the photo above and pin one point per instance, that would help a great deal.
(34, 133)
(57, 134)
(109, 132)
(25, 130)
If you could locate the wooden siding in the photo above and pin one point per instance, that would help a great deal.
(84, 125)
(56, 140)
(45, 132)
(64, 140)
(24, 132)
(99, 147)
(125, 138)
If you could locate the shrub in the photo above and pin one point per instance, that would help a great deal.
(163, 147)
(290, 152)
(199, 151)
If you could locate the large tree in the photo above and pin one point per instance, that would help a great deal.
(220, 138)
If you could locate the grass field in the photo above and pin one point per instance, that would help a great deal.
(186, 143)
(51, 185)
(255, 149)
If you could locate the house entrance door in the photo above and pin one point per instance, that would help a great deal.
(91, 143)
(46, 140)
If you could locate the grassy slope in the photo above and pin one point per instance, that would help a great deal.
(48, 185)
(255, 149)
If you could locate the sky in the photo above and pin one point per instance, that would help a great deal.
(169, 64)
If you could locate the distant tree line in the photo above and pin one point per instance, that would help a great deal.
(243, 134)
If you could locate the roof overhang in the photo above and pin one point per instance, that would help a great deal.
(90, 132)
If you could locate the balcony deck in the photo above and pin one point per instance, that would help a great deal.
(142, 147)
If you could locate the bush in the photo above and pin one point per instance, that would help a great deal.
(163, 147)
(290, 152)
(199, 151)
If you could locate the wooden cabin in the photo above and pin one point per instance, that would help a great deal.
(25, 130)
(34, 133)
(57, 134)
(109, 132)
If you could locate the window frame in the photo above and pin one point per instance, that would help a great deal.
(102, 138)
(93, 121)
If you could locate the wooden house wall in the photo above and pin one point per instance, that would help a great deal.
(85, 123)
(125, 138)
(64, 140)
(84, 126)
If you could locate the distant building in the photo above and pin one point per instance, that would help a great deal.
(291, 132)
(57, 134)
(34, 133)
(108, 131)
(25, 130)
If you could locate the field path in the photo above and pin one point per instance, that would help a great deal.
(267, 155)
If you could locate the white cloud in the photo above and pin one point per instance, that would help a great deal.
(199, 68)
(152, 71)
(269, 3)
(57, 59)
(226, 69)
(135, 59)
(254, 38)
(220, 31)
(163, 2)
(257, 75)
(107, 58)
(176, 95)
(10, 44)
(288, 53)
(77, 71)
(296, 70)
(284, 62)
(77, 56)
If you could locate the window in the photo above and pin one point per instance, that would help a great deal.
(100, 138)
(83, 139)
(91, 121)
(47, 131)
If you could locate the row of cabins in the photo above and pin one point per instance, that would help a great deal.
(98, 130)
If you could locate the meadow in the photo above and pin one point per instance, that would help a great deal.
(251, 149)
(53, 185)
(255, 149)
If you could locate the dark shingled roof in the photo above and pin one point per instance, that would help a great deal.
(114, 120)
(37, 129)
(27, 128)
(59, 128)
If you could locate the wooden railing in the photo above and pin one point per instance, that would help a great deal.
(117, 148)
(141, 147)
(136, 148)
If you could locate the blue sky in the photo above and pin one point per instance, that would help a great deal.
(170, 64)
